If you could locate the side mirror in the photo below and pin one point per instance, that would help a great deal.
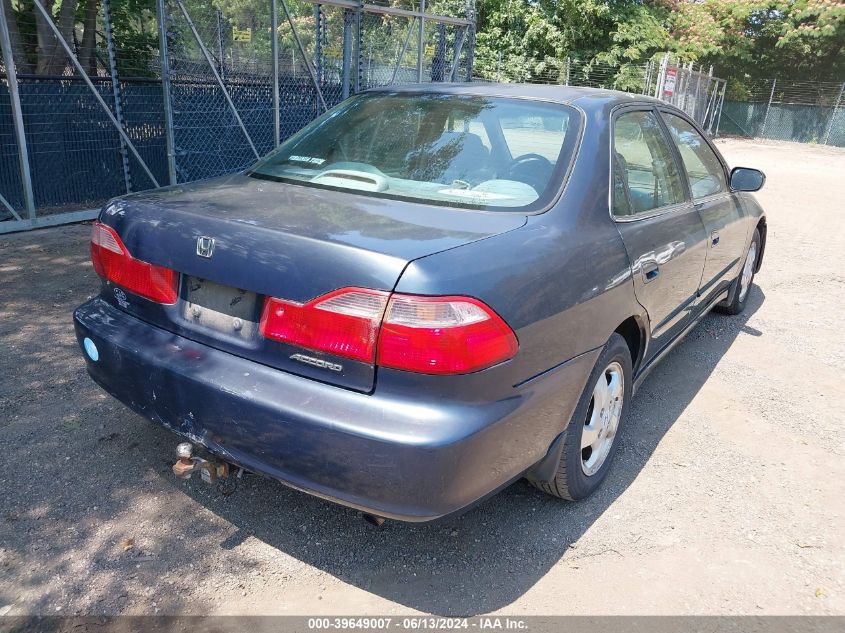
(747, 179)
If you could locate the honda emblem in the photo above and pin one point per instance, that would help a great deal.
(205, 246)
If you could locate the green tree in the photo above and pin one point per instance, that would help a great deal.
(804, 39)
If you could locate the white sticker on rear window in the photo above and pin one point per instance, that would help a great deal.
(484, 196)
(307, 159)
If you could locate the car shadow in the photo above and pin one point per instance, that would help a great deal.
(489, 556)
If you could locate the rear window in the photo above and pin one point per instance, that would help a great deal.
(454, 150)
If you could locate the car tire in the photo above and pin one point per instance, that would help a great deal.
(741, 286)
(583, 467)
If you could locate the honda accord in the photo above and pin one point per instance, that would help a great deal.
(425, 294)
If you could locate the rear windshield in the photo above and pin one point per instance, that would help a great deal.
(454, 150)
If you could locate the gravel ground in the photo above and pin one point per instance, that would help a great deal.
(727, 496)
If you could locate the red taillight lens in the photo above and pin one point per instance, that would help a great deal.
(113, 261)
(443, 335)
(344, 322)
(431, 335)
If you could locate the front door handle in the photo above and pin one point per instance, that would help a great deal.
(650, 271)
(714, 239)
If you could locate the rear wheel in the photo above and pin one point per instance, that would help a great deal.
(741, 287)
(590, 442)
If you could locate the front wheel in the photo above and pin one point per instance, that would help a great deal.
(591, 438)
(741, 287)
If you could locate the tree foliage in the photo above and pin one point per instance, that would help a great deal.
(516, 39)
(740, 38)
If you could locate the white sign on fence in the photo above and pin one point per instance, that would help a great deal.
(669, 82)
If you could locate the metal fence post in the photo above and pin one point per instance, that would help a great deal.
(459, 44)
(661, 77)
(274, 48)
(720, 108)
(697, 93)
(299, 45)
(359, 44)
(402, 52)
(164, 57)
(646, 77)
(710, 105)
(833, 114)
(709, 101)
(318, 41)
(568, 69)
(470, 15)
(768, 107)
(652, 75)
(115, 87)
(421, 43)
(684, 95)
(680, 72)
(347, 51)
(17, 114)
(220, 44)
(680, 85)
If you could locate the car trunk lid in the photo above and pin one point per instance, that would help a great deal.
(237, 240)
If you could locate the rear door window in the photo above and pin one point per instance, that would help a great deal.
(644, 165)
(704, 169)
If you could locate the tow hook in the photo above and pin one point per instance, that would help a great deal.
(211, 472)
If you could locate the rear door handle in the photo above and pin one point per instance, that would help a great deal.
(714, 238)
(650, 271)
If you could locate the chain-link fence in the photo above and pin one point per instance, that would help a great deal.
(695, 91)
(802, 111)
(103, 97)
(130, 98)
(569, 71)
(59, 148)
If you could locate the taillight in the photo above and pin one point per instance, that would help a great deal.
(443, 335)
(113, 261)
(431, 335)
(344, 322)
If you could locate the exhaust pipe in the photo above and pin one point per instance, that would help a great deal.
(373, 519)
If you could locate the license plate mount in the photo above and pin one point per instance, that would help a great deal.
(208, 305)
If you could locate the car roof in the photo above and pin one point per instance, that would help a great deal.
(585, 97)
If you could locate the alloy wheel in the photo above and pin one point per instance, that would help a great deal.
(603, 417)
(748, 272)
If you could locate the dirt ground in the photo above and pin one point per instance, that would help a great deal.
(727, 496)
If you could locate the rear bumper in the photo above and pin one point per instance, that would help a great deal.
(411, 457)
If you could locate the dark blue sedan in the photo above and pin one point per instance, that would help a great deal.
(424, 295)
